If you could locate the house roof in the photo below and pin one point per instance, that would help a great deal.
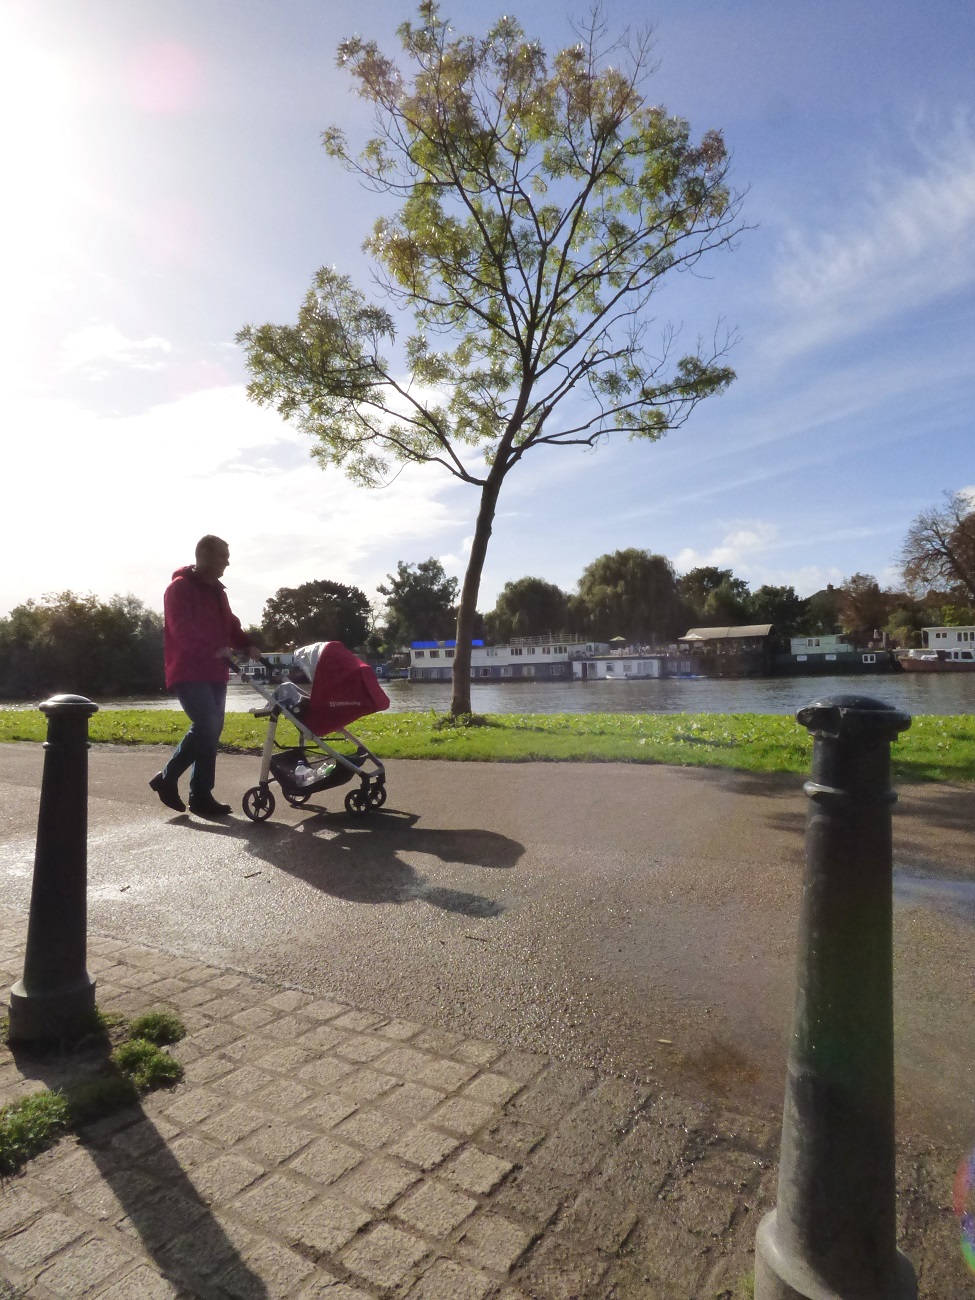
(725, 633)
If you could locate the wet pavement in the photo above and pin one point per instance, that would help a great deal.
(635, 919)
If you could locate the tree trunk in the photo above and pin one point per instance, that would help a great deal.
(461, 698)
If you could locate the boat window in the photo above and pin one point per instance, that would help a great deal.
(966, 654)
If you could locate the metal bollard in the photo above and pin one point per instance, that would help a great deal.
(56, 996)
(832, 1235)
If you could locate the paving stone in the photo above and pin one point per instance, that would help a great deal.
(328, 1225)
(492, 1089)
(519, 1065)
(398, 1030)
(412, 1099)
(83, 1267)
(424, 1147)
(159, 1218)
(190, 1152)
(385, 1256)
(326, 1072)
(365, 1085)
(327, 1111)
(253, 1017)
(230, 1125)
(136, 1140)
(535, 1194)
(512, 1138)
(551, 1095)
(225, 1176)
(141, 1284)
(267, 1272)
(323, 1009)
(287, 1060)
(448, 1280)
(477, 1052)
(325, 1160)
(31, 1245)
(441, 1042)
(109, 1201)
(17, 1207)
(281, 1096)
(406, 1062)
(275, 1200)
(226, 981)
(377, 1183)
(244, 1080)
(289, 1000)
(435, 1210)
(360, 1049)
(600, 1220)
(66, 1170)
(358, 1020)
(494, 1243)
(274, 1143)
(462, 1116)
(323, 1038)
(475, 1170)
(558, 1270)
(193, 1106)
(369, 1128)
(286, 1029)
(206, 1069)
(225, 1008)
(325, 1287)
(215, 1037)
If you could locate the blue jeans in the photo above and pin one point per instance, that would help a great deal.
(204, 704)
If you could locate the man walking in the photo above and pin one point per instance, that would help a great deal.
(199, 631)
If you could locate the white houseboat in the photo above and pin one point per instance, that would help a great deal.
(530, 658)
(945, 650)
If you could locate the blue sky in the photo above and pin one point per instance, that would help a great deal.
(169, 186)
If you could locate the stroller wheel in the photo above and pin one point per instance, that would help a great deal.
(297, 799)
(377, 795)
(357, 803)
(258, 803)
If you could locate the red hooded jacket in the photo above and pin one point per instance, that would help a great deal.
(199, 622)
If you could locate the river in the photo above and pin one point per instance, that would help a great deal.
(942, 693)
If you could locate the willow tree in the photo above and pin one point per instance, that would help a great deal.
(538, 204)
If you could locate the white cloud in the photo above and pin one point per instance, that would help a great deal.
(907, 241)
(733, 551)
(115, 504)
(102, 341)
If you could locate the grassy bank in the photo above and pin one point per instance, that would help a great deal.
(934, 749)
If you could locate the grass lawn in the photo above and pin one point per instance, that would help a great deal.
(934, 749)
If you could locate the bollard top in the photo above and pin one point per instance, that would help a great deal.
(853, 717)
(68, 704)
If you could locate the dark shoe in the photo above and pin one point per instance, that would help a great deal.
(168, 792)
(208, 807)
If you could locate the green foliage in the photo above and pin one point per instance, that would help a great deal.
(420, 601)
(102, 1094)
(632, 594)
(864, 608)
(146, 1064)
(68, 642)
(779, 606)
(158, 1027)
(710, 595)
(528, 607)
(317, 611)
(29, 1126)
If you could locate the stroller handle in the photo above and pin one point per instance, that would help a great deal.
(235, 661)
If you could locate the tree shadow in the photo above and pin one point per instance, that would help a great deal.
(150, 1194)
(361, 862)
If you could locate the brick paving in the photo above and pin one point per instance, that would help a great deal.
(320, 1150)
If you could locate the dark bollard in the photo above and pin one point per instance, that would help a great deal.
(56, 997)
(832, 1235)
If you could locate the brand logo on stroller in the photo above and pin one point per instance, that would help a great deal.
(343, 704)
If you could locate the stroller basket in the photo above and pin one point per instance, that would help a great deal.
(327, 773)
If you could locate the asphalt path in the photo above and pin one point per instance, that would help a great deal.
(637, 918)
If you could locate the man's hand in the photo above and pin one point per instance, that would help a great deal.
(254, 652)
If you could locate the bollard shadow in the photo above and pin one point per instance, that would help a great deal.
(146, 1192)
(364, 863)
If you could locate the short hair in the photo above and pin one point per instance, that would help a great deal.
(208, 544)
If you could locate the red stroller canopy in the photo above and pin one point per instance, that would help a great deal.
(343, 689)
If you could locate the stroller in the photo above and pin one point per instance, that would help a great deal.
(343, 689)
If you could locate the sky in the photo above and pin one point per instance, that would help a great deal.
(165, 184)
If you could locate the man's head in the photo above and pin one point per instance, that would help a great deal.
(212, 557)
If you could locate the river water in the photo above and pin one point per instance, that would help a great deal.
(943, 693)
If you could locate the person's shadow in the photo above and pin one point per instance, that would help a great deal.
(362, 860)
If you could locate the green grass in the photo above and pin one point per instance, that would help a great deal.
(934, 749)
(137, 1065)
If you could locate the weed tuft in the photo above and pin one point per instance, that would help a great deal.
(91, 1099)
(158, 1027)
(29, 1126)
(146, 1064)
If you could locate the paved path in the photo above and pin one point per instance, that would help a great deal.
(321, 1150)
(484, 969)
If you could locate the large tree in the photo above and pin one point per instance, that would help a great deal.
(697, 586)
(420, 602)
(317, 611)
(632, 594)
(540, 203)
(864, 608)
(939, 550)
(528, 607)
(779, 606)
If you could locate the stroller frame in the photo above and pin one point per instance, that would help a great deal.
(337, 768)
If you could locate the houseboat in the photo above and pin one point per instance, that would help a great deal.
(530, 658)
(944, 650)
(737, 651)
(829, 654)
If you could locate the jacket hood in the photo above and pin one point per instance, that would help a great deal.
(188, 571)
